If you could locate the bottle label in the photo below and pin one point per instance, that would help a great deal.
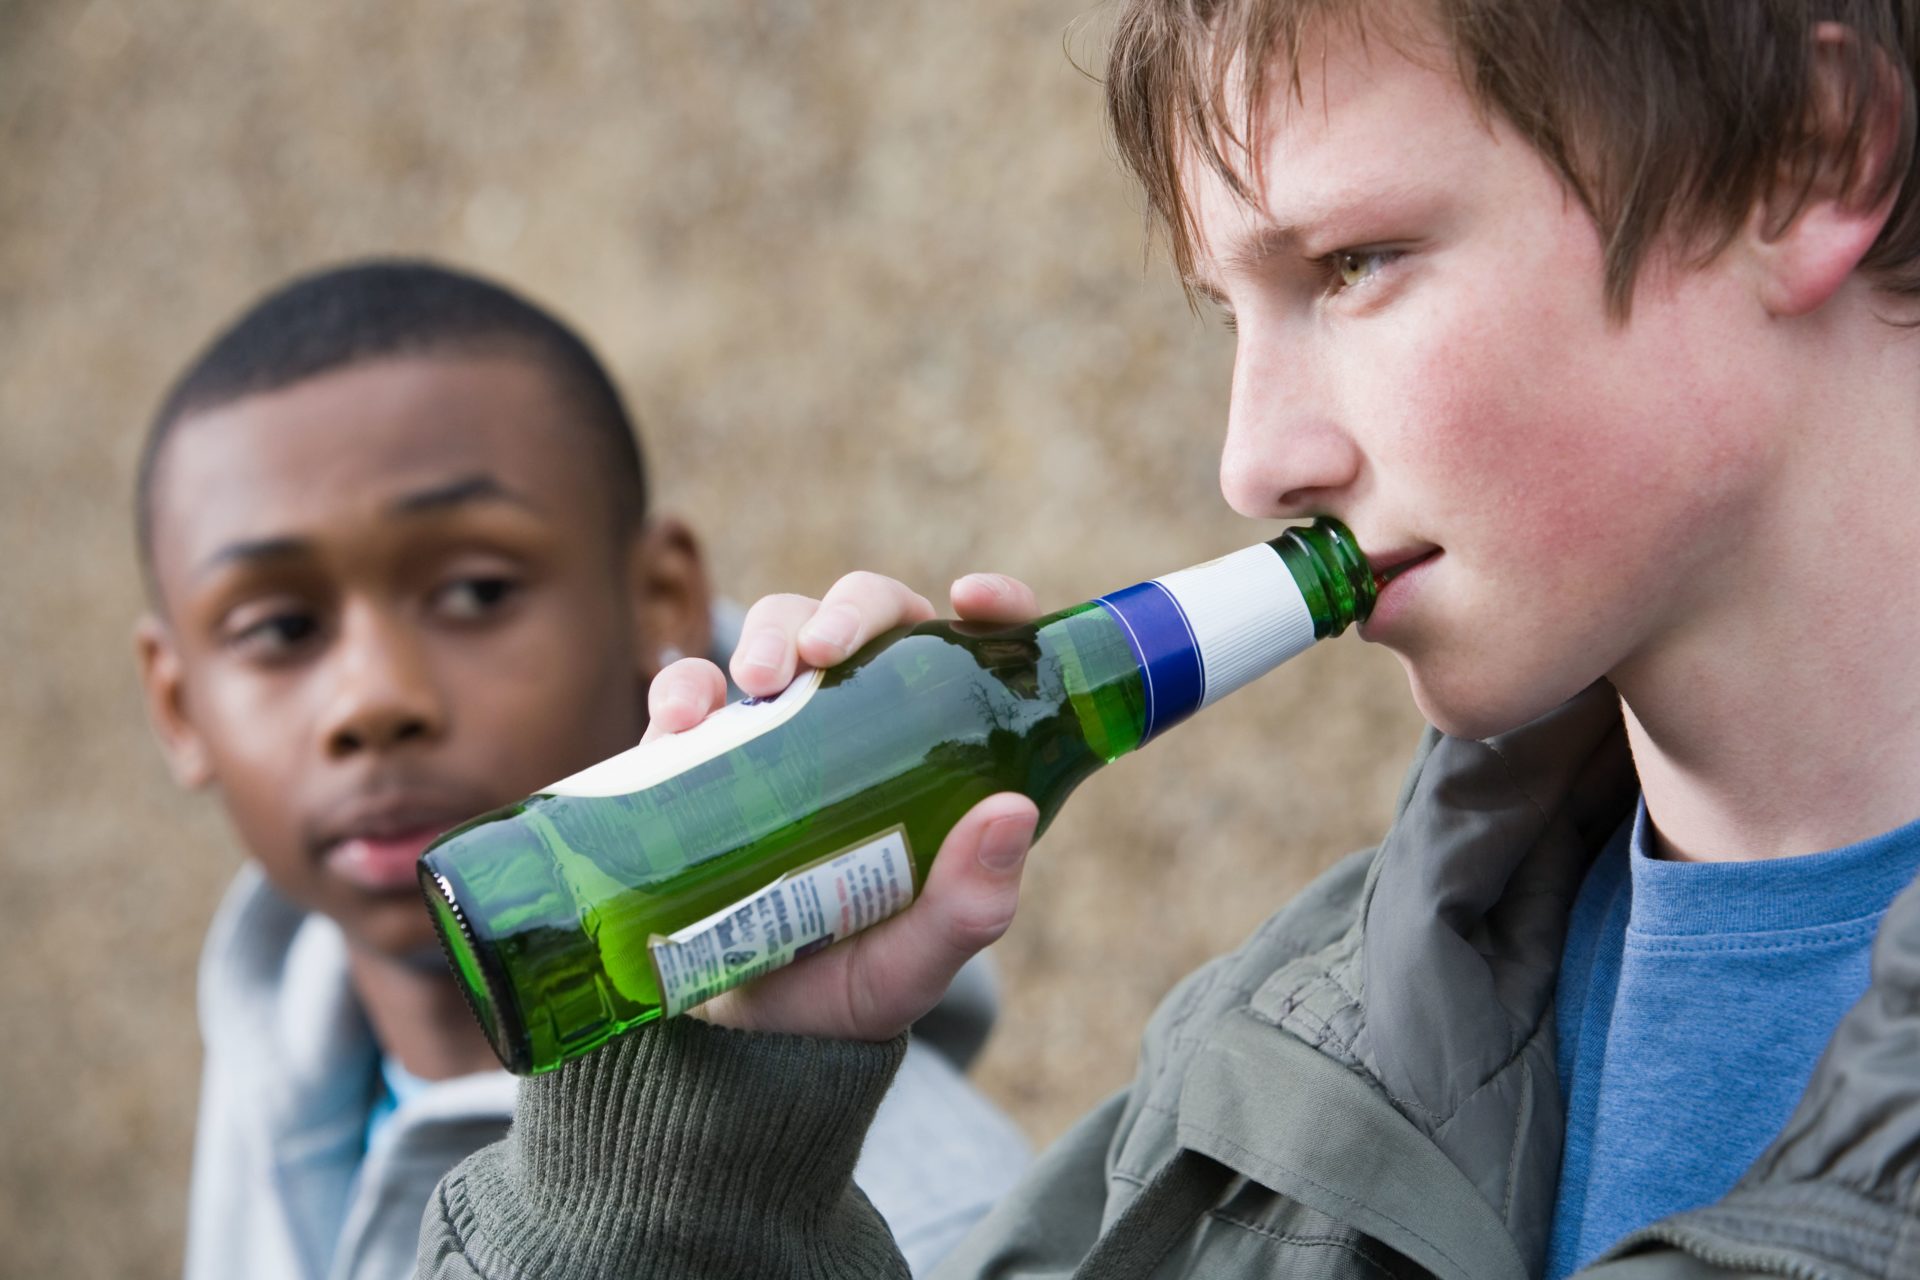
(654, 762)
(1203, 632)
(802, 912)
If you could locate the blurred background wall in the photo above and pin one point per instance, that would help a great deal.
(876, 288)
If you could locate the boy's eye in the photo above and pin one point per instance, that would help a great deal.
(273, 635)
(1354, 267)
(473, 597)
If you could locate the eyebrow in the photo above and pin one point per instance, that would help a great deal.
(253, 551)
(1263, 244)
(479, 487)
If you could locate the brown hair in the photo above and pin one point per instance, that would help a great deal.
(1664, 118)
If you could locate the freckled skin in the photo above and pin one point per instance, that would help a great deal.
(463, 656)
(1468, 391)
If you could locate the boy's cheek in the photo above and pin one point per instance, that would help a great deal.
(1508, 437)
(269, 835)
(530, 719)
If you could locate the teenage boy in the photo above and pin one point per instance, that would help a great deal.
(402, 571)
(1596, 321)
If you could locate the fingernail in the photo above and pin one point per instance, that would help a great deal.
(835, 626)
(1004, 843)
(676, 695)
(763, 651)
(678, 702)
(993, 582)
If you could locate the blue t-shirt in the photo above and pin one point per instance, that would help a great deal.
(1694, 1001)
(394, 1086)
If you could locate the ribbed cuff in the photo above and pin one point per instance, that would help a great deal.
(684, 1149)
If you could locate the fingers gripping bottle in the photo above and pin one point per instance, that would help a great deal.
(659, 878)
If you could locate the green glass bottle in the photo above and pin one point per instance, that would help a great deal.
(662, 876)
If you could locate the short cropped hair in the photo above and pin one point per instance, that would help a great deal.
(385, 308)
(1669, 121)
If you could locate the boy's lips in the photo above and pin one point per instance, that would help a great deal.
(1388, 565)
(381, 863)
(1394, 570)
(376, 846)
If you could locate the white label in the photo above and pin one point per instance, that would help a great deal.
(802, 912)
(1247, 616)
(654, 762)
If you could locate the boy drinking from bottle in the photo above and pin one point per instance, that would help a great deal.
(1596, 323)
(403, 571)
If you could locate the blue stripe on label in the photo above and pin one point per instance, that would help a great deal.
(1164, 646)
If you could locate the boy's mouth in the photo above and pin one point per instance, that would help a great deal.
(384, 864)
(1388, 565)
(376, 847)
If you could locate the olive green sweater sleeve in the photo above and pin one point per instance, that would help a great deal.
(682, 1150)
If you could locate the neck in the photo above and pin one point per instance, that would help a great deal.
(419, 1017)
(1781, 716)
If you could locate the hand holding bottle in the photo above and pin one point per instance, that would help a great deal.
(874, 814)
(881, 981)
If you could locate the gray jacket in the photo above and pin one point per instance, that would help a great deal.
(1365, 1089)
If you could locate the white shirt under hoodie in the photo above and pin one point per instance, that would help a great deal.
(284, 1187)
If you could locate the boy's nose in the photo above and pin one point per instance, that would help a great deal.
(383, 693)
(1287, 454)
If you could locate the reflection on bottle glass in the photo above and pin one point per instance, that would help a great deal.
(656, 879)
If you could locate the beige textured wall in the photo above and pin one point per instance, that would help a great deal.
(873, 281)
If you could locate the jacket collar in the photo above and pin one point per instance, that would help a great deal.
(1426, 1029)
(1419, 1098)
(294, 1059)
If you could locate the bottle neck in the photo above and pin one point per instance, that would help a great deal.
(1331, 572)
(1201, 633)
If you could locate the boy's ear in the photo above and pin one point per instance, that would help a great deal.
(671, 598)
(163, 678)
(1826, 211)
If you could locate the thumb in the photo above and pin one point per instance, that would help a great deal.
(899, 969)
(878, 983)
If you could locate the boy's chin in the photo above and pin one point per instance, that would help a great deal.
(398, 930)
(1480, 709)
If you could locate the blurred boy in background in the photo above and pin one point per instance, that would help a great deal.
(402, 570)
